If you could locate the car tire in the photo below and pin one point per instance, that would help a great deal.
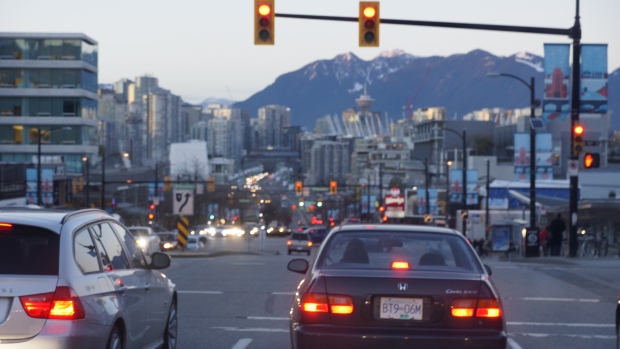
(115, 341)
(171, 331)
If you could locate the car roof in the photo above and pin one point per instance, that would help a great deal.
(45, 218)
(397, 228)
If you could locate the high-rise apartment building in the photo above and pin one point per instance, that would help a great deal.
(48, 87)
(272, 119)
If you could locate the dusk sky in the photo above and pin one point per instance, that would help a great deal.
(201, 49)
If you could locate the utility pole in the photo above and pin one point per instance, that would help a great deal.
(487, 229)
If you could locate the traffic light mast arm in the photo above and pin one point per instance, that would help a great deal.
(506, 28)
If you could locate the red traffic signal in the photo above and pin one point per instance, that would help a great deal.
(578, 141)
(152, 207)
(264, 15)
(369, 24)
(592, 160)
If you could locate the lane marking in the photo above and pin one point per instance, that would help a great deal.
(513, 344)
(267, 318)
(248, 263)
(584, 300)
(201, 292)
(237, 329)
(547, 335)
(282, 293)
(242, 343)
(559, 324)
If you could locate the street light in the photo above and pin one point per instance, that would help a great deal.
(463, 138)
(85, 159)
(103, 160)
(39, 134)
(533, 103)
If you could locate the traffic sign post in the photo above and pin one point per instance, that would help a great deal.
(182, 232)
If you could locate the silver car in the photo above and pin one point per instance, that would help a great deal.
(79, 280)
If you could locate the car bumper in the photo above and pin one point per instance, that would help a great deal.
(60, 334)
(338, 337)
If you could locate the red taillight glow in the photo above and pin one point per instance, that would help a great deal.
(309, 243)
(6, 225)
(400, 265)
(318, 303)
(63, 304)
(289, 243)
(488, 308)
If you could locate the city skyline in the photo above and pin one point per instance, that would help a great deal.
(202, 50)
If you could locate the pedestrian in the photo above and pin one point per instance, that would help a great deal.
(544, 241)
(555, 234)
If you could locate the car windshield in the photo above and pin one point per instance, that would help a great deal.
(26, 250)
(139, 232)
(379, 250)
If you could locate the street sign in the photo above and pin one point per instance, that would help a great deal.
(573, 168)
(183, 202)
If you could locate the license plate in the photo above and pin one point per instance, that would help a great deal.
(298, 248)
(400, 308)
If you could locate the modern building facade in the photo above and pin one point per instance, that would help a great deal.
(48, 87)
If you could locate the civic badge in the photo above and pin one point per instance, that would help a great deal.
(403, 286)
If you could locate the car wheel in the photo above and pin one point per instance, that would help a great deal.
(171, 331)
(116, 339)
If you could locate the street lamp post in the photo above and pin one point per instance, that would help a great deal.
(531, 86)
(463, 137)
(39, 134)
(103, 160)
(85, 159)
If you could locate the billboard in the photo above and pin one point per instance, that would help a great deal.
(456, 189)
(543, 158)
(556, 104)
(593, 83)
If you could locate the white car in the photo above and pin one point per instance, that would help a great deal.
(193, 243)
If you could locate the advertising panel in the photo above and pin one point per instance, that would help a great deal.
(593, 84)
(556, 104)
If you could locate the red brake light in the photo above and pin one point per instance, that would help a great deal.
(309, 243)
(463, 307)
(315, 303)
(64, 304)
(6, 225)
(289, 242)
(318, 303)
(400, 265)
(488, 308)
(341, 304)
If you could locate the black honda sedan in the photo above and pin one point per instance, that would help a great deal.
(395, 286)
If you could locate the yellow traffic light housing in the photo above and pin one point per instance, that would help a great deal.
(333, 187)
(264, 29)
(578, 141)
(299, 188)
(369, 24)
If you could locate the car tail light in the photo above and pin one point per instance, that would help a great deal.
(63, 304)
(400, 265)
(289, 242)
(487, 308)
(315, 303)
(309, 243)
(6, 225)
(341, 304)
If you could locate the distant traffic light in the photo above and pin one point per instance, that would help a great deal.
(264, 15)
(369, 24)
(319, 202)
(333, 187)
(151, 215)
(578, 142)
(592, 160)
(301, 202)
(299, 187)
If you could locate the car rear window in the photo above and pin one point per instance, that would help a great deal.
(299, 236)
(26, 250)
(139, 233)
(379, 250)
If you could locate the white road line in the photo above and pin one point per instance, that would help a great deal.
(558, 324)
(267, 318)
(282, 293)
(579, 336)
(201, 292)
(252, 329)
(513, 344)
(585, 300)
(242, 343)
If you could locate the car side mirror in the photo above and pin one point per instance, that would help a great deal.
(160, 260)
(298, 266)
(488, 269)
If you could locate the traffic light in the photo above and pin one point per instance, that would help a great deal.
(301, 202)
(369, 24)
(264, 14)
(578, 133)
(333, 187)
(299, 187)
(319, 202)
(382, 213)
(592, 160)
(151, 212)
(167, 183)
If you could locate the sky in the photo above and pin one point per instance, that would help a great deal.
(201, 49)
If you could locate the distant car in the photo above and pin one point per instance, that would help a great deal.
(168, 241)
(193, 243)
(232, 230)
(317, 233)
(202, 231)
(78, 280)
(146, 238)
(395, 286)
(299, 242)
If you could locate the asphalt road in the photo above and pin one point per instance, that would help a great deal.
(235, 294)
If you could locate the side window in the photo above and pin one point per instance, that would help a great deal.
(113, 248)
(103, 256)
(135, 254)
(85, 252)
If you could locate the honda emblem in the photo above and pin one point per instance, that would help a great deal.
(403, 286)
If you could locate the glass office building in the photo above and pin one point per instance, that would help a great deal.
(48, 85)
